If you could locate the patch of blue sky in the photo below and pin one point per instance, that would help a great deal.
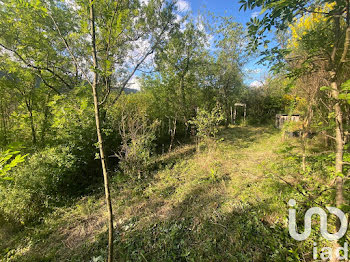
(254, 73)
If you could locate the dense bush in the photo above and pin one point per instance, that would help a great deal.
(206, 124)
(136, 131)
(66, 168)
(44, 181)
(263, 103)
(137, 145)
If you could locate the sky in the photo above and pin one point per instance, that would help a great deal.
(255, 74)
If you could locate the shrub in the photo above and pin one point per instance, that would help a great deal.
(130, 121)
(206, 124)
(46, 180)
(137, 135)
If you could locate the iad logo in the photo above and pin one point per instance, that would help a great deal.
(326, 252)
(323, 219)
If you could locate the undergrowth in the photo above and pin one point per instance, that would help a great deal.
(224, 204)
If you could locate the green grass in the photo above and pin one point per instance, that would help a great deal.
(220, 204)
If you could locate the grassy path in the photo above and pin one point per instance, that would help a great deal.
(215, 205)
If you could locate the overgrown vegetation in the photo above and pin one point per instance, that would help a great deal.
(182, 176)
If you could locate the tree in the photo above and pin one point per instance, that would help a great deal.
(277, 15)
(99, 133)
(76, 43)
(32, 43)
(25, 113)
(177, 65)
(229, 62)
(207, 124)
(175, 86)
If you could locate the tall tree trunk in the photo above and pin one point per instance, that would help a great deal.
(339, 141)
(337, 70)
(339, 148)
(99, 135)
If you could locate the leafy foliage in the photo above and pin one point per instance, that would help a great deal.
(196, 205)
(137, 137)
(8, 160)
(206, 123)
(47, 179)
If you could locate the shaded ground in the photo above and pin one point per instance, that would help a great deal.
(219, 204)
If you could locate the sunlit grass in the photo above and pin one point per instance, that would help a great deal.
(218, 204)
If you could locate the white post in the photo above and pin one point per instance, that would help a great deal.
(234, 115)
(245, 112)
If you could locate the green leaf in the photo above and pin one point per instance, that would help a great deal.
(325, 88)
(6, 164)
(346, 85)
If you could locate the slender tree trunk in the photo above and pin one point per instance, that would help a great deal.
(31, 119)
(183, 95)
(339, 148)
(172, 132)
(32, 126)
(339, 141)
(3, 122)
(226, 102)
(306, 129)
(45, 123)
(99, 135)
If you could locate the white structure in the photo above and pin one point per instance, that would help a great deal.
(283, 118)
(235, 112)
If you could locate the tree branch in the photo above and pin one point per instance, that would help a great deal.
(122, 87)
(39, 68)
(126, 81)
(69, 49)
(47, 84)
